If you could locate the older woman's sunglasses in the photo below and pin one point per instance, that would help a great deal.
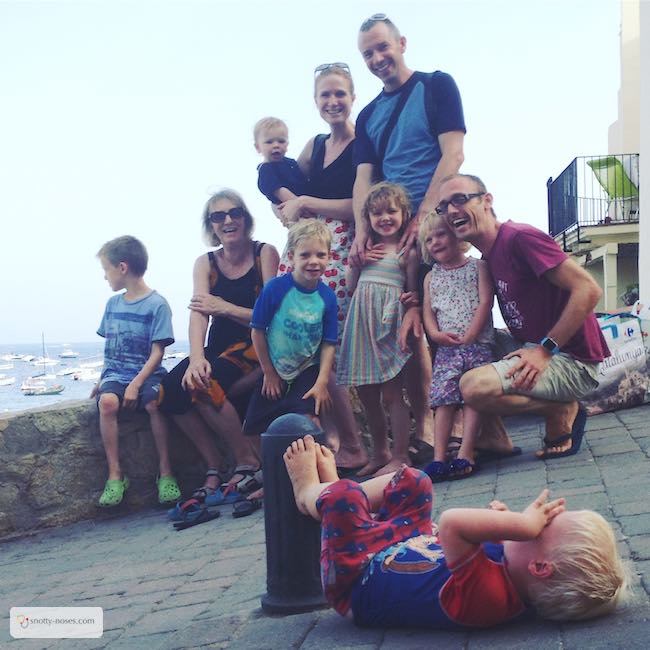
(220, 215)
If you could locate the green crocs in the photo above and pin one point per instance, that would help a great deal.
(168, 490)
(113, 493)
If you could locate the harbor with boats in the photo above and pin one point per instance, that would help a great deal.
(36, 374)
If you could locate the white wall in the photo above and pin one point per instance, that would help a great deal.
(644, 154)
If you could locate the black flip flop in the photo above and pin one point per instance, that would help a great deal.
(201, 517)
(245, 507)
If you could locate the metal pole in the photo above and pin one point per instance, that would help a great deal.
(292, 539)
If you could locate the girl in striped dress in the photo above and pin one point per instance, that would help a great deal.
(370, 357)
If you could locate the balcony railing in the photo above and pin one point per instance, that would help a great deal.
(592, 191)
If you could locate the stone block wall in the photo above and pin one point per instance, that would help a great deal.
(53, 468)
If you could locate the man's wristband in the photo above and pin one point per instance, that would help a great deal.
(550, 344)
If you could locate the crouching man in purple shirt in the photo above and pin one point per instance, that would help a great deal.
(547, 302)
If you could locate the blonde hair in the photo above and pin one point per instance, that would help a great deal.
(383, 195)
(337, 70)
(209, 236)
(308, 229)
(431, 221)
(267, 123)
(589, 577)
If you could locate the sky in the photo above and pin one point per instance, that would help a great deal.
(121, 117)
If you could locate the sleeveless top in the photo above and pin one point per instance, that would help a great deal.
(243, 292)
(454, 298)
(337, 179)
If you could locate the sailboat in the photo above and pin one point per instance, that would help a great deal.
(36, 384)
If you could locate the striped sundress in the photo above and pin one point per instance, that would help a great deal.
(369, 352)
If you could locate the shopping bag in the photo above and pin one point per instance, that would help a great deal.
(624, 376)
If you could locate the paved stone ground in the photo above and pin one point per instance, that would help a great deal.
(201, 587)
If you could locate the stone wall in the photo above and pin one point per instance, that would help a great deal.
(53, 468)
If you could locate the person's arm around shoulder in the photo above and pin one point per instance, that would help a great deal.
(584, 294)
(151, 364)
(462, 530)
(485, 303)
(198, 371)
(362, 184)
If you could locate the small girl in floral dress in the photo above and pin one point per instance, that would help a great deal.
(457, 315)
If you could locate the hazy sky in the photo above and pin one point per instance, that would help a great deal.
(120, 118)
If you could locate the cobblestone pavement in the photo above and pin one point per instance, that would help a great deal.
(201, 587)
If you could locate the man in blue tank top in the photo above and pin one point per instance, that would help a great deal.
(412, 133)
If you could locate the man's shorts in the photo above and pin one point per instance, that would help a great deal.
(149, 391)
(450, 364)
(565, 379)
(262, 411)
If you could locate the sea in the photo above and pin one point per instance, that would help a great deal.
(61, 371)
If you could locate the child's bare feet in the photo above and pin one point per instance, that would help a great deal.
(392, 466)
(374, 464)
(300, 460)
(326, 464)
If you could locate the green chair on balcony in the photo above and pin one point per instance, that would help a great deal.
(622, 192)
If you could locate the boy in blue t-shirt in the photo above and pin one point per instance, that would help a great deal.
(279, 177)
(294, 331)
(137, 327)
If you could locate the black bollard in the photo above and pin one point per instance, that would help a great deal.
(292, 539)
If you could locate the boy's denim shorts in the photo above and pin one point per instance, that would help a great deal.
(149, 391)
(565, 379)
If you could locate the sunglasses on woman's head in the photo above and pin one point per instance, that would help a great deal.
(219, 216)
(329, 66)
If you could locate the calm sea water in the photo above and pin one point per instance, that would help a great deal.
(12, 398)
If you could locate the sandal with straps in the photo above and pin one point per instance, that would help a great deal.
(231, 493)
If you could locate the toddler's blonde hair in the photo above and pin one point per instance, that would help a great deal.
(589, 577)
(265, 124)
(431, 221)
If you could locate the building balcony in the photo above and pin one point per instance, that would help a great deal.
(593, 214)
(595, 201)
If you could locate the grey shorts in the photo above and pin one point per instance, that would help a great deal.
(149, 391)
(566, 379)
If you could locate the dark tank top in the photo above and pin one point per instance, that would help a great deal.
(337, 179)
(243, 292)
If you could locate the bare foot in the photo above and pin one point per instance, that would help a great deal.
(326, 464)
(300, 460)
(392, 466)
(256, 494)
(348, 457)
(375, 463)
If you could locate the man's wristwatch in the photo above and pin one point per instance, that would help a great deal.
(550, 344)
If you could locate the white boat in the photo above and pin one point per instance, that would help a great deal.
(175, 355)
(27, 358)
(73, 370)
(53, 389)
(67, 353)
(6, 366)
(7, 381)
(44, 361)
(87, 374)
(93, 364)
